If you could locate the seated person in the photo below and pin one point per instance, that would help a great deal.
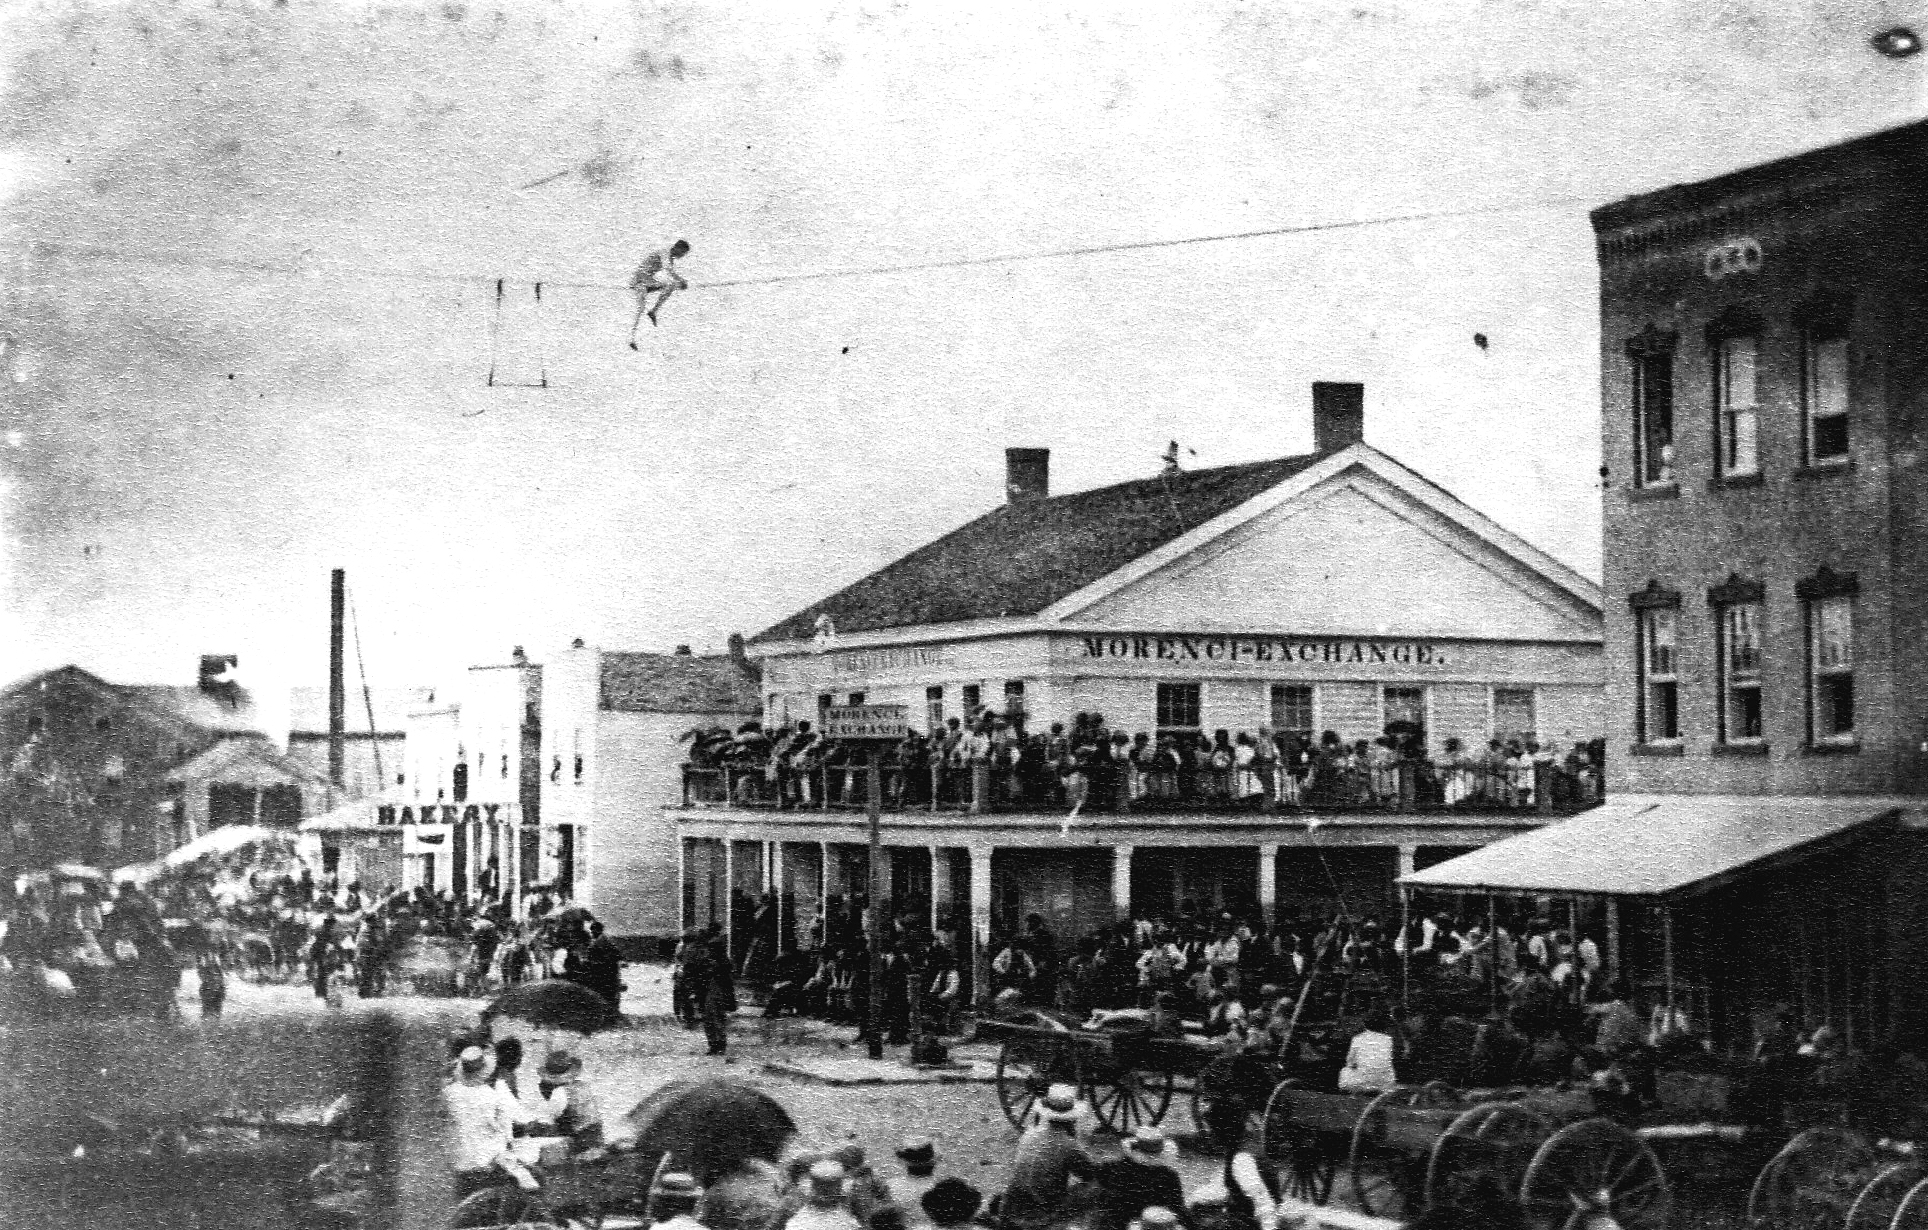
(1048, 1165)
(481, 1129)
(1141, 1178)
(565, 1103)
(1369, 1064)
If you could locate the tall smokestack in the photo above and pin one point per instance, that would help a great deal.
(337, 685)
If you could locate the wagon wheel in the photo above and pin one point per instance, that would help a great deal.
(1307, 1166)
(1495, 1140)
(1912, 1213)
(1023, 1073)
(1591, 1170)
(1812, 1182)
(1384, 1181)
(1129, 1098)
(501, 1206)
(1880, 1200)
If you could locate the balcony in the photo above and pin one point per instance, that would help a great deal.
(1408, 786)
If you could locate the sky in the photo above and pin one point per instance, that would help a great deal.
(250, 257)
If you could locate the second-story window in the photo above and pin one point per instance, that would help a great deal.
(1737, 408)
(1652, 356)
(1740, 672)
(1831, 668)
(1657, 699)
(1178, 707)
(1293, 711)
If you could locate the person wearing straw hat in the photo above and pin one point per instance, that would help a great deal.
(481, 1128)
(1048, 1162)
(1086, 1118)
(673, 1198)
(567, 1103)
(1157, 1217)
(828, 1207)
(1144, 1177)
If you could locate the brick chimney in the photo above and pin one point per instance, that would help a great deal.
(1027, 474)
(1338, 415)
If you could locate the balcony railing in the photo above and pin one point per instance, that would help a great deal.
(1408, 786)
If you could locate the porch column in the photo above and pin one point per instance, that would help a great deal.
(729, 898)
(780, 884)
(1613, 938)
(940, 883)
(682, 886)
(1268, 884)
(1121, 883)
(1407, 856)
(981, 923)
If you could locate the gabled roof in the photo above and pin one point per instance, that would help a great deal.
(1022, 557)
(245, 762)
(679, 683)
(308, 708)
(230, 713)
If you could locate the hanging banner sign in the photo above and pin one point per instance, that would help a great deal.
(890, 722)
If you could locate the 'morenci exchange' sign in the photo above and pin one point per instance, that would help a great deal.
(1281, 649)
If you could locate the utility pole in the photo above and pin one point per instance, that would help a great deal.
(337, 684)
(875, 798)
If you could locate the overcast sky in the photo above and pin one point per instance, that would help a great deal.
(211, 397)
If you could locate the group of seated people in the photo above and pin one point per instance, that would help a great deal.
(491, 1102)
(1093, 765)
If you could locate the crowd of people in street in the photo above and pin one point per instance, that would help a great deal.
(996, 762)
(104, 946)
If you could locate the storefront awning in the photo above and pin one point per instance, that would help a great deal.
(1655, 846)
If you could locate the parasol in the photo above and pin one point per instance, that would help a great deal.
(711, 1127)
(555, 1003)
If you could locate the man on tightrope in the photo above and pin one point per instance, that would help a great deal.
(656, 276)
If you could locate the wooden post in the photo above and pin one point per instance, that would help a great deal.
(1667, 959)
(876, 805)
(729, 899)
(1613, 938)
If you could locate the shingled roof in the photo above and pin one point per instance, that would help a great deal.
(1020, 558)
(678, 683)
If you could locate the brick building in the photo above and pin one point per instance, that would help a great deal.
(1764, 358)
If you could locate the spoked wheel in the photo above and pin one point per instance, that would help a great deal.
(501, 1206)
(1307, 1162)
(1385, 1182)
(1592, 1170)
(1495, 1140)
(1812, 1183)
(1912, 1212)
(1023, 1075)
(1132, 1099)
(1880, 1200)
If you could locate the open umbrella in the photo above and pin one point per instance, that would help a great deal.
(711, 1127)
(555, 1003)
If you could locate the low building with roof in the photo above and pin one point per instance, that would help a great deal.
(1335, 591)
(108, 773)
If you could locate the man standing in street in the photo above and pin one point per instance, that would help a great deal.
(715, 991)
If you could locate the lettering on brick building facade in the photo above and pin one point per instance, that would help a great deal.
(1261, 649)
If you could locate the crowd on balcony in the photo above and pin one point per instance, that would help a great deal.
(993, 762)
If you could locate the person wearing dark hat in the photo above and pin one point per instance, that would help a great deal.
(1142, 1178)
(919, 1155)
(566, 1102)
(1047, 1164)
(951, 1204)
(672, 1202)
